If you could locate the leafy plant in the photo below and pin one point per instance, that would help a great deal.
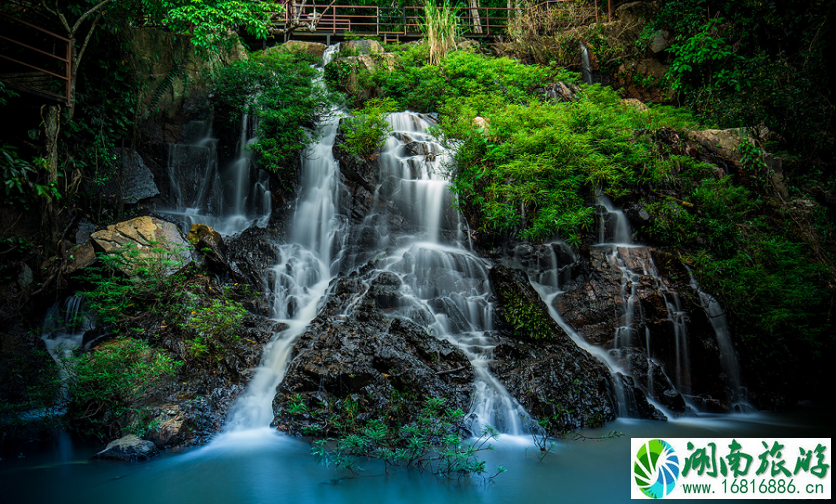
(215, 327)
(276, 88)
(22, 180)
(367, 129)
(106, 385)
(133, 284)
(432, 442)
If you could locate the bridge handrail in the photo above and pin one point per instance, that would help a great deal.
(66, 60)
(340, 18)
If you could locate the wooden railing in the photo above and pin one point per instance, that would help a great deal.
(38, 79)
(335, 19)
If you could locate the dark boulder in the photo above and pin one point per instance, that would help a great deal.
(128, 448)
(544, 368)
(370, 358)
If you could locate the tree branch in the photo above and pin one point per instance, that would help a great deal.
(77, 59)
(91, 11)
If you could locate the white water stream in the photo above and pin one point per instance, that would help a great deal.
(416, 234)
(229, 198)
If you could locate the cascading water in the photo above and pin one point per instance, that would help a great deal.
(631, 349)
(445, 285)
(64, 329)
(547, 285)
(65, 325)
(586, 65)
(230, 199)
(302, 275)
(301, 278)
(728, 360)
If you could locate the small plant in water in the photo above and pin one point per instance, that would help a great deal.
(432, 442)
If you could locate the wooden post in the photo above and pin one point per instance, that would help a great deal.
(609, 11)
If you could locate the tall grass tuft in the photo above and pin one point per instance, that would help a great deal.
(440, 28)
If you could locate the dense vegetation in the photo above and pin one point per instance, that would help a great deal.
(529, 168)
(275, 87)
(526, 168)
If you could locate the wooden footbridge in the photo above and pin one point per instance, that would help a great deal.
(324, 21)
(38, 61)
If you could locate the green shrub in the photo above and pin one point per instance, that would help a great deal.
(107, 385)
(433, 441)
(367, 129)
(533, 169)
(278, 89)
(135, 284)
(215, 327)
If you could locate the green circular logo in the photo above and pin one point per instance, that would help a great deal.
(656, 468)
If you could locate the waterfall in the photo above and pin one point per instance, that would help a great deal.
(415, 233)
(230, 198)
(586, 65)
(728, 358)
(65, 326)
(547, 285)
(445, 285)
(302, 275)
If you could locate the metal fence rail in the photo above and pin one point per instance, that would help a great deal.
(38, 79)
(321, 18)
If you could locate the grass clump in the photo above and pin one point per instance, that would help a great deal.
(440, 28)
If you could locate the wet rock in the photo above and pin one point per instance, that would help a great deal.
(250, 254)
(355, 47)
(170, 429)
(660, 41)
(85, 229)
(638, 302)
(79, 257)
(559, 92)
(315, 49)
(198, 231)
(360, 176)
(129, 449)
(133, 181)
(209, 242)
(723, 143)
(370, 357)
(201, 397)
(552, 377)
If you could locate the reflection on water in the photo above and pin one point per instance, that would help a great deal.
(264, 466)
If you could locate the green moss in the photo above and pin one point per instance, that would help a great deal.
(527, 319)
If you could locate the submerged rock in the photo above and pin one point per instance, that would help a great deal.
(128, 448)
